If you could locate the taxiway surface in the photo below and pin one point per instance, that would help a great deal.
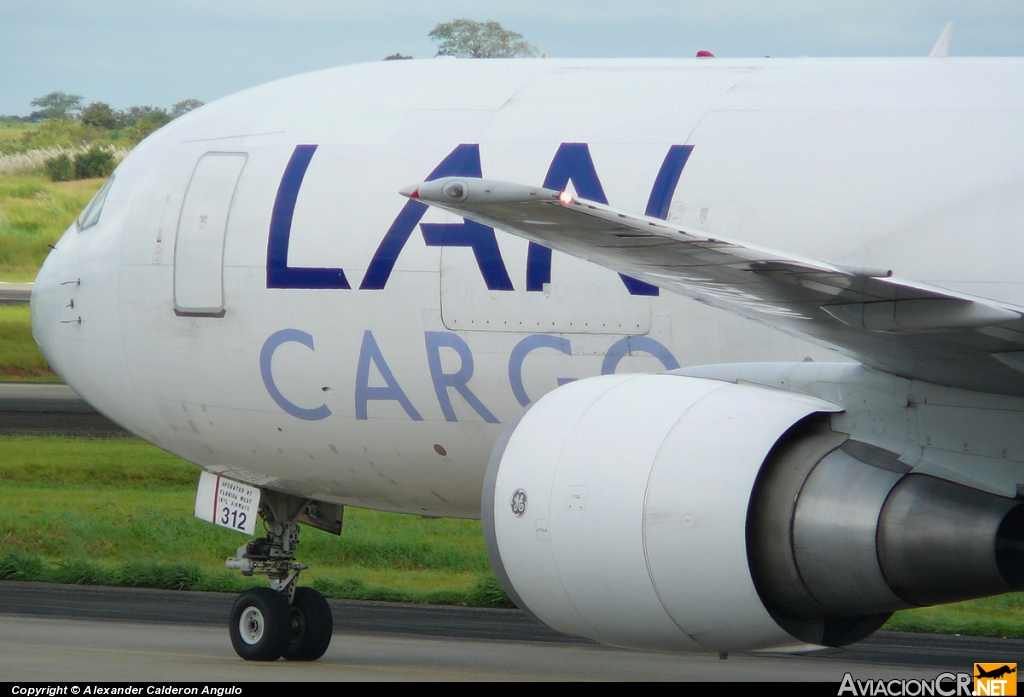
(73, 633)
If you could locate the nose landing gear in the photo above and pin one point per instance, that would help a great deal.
(283, 620)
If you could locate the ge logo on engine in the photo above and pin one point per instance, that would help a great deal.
(519, 503)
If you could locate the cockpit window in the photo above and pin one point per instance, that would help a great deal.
(91, 215)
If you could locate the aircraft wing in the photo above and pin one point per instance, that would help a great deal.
(901, 326)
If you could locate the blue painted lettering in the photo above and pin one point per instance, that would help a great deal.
(267, 356)
(459, 379)
(519, 353)
(667, 180)
(572, 162)
(463, 161)
(483, 242)
(630, 344)
(279, 274)
(368, 352)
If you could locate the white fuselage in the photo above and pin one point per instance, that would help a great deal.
(391, 392)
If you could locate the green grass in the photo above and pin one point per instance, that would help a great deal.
(34, 213)
(12, 133)
(20, 358)
(119, 512)
(1001, 616)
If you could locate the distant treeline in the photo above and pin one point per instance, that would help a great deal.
(63, 122)
(86, 138)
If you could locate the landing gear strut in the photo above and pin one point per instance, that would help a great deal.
(283, 620)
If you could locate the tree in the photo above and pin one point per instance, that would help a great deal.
(143, 120)
(132, 115)
(397, 57)
(58, 105)
(185, 106)
(468, 39)
(99, 114)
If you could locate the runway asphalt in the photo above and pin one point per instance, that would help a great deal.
(48, 408)
(56, 632)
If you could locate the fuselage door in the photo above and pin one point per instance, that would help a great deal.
(199, 246)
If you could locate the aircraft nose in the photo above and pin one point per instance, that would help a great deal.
(45, 306)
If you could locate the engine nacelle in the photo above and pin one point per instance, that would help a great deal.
(688, 514)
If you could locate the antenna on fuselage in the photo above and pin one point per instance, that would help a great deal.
(941, 47)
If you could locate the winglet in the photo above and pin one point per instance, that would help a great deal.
(941, 47)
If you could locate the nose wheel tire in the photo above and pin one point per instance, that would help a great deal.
(311, 626)
(261, 625)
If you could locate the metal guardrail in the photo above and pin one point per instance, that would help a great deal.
(15, 293)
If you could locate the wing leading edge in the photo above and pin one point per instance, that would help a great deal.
(897, 325)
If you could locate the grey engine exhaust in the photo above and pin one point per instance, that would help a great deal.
(841, 537)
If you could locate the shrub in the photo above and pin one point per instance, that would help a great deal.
(59, 168)
(93, 163)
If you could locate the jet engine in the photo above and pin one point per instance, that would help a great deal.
(689, 514)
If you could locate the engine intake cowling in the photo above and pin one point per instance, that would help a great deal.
(681, 513)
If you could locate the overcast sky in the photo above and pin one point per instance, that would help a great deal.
(128, 52)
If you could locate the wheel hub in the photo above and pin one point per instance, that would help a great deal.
(251, 625)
